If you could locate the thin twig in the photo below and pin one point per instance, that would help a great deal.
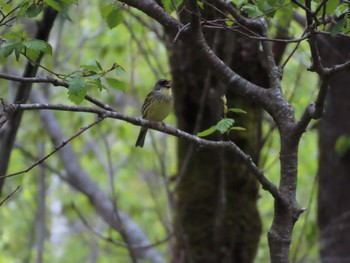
(113, 241)
(82, 130)
(9, 196)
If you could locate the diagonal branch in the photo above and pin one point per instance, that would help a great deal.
(229, 145)
(55, 82)
(152, 9)
(9, 196)
(57, 148)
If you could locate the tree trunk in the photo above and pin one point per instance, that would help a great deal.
(8, 135)
(216, 214)
(334, 165)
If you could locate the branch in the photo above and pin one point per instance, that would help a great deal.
(252, 24)
(234, 81)
(229, 145)
(9, 196)
(152, 9)
(55, 82)
(337, 68)
(113, 241)
(272, 70)
(41, 160)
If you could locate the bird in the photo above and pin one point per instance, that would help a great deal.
(156, 107)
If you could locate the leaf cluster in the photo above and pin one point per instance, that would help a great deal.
(93, 76)
(226, 124)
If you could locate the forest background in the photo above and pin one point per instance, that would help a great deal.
(97, 198)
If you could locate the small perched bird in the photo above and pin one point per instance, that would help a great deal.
(157, 106)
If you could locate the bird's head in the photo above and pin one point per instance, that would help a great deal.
(164, 83)
(164, 86)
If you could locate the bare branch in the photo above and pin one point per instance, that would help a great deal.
(55, 150)
(55, 82)
(152, 9)
(266, 184)
(9, 196)
(113, 241)
(252, 24)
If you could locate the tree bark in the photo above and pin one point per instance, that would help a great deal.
(334, 166)
(216, 214)
(8, 135)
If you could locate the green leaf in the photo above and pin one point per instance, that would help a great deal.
(111, 13)
(200, 5)
(98, 65)
(23, 8)
(340, 10)
(77, 89)
(237, 110)
(38, 45)
(116, 84)
(119, 71)
(331, 5)
(92, 68)
(239, 3)
(14, 35)
(170, 5)
(207, 132)
(229, 20)
(5, 8)
(224, 125)
(32, 54)
(34, 10)
(94, 82)
(238, 128)
(54, 4)
(342, 145)
(114, 18)
(64, 13)
(8, 47)
(252, 10)
(338, 27)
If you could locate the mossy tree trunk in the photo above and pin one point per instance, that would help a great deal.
(216, 212)
(334, 164)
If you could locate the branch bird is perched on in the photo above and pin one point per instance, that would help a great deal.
(157, 106)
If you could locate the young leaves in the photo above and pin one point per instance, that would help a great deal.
(111, 13)
(30, 48)
(93, 76)
(225, 125)
(77, 89)
(32, 8)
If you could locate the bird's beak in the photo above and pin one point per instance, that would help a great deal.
(168, 84)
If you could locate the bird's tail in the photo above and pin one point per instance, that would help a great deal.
(141, 139)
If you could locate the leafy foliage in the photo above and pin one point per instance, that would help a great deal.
(92, 76)
(30, 48)
(32, 8)
(111, 13)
